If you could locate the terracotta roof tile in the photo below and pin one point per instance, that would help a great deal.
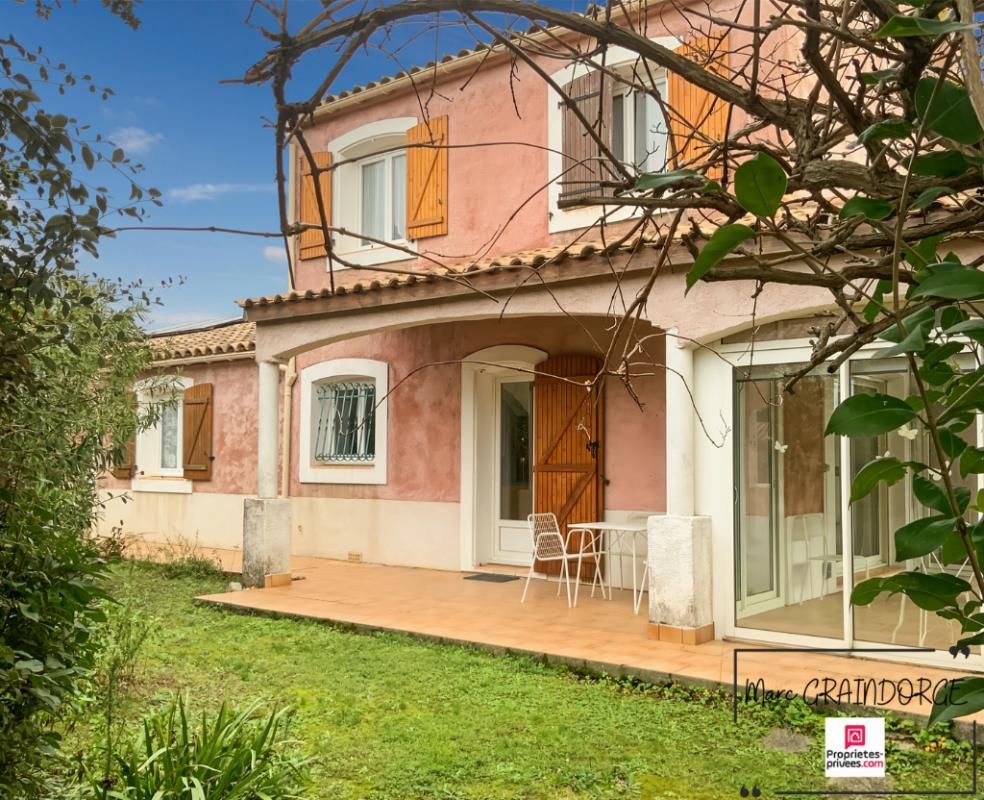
(223, 339)
(471, 269)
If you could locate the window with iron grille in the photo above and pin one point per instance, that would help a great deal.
(346, 425)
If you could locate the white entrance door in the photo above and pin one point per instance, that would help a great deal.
(513, 475)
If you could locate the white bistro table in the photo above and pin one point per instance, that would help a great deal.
(617, 533)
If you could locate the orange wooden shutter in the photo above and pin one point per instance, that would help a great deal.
(700, 118)
(312, 244)
(197, 432)
(124, 470)
(427, 179)
(582, 165)
(568, 453)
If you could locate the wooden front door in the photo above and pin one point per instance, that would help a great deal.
(568, 451)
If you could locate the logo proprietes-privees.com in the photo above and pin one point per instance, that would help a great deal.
(854, 747)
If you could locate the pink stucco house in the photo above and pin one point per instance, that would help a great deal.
(415, 415)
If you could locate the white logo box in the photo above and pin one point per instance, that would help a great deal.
(854, 747)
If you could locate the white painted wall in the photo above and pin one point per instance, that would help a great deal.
(399, 532)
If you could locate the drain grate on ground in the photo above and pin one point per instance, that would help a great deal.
(491, 577)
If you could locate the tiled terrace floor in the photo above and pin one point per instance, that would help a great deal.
(599, 634)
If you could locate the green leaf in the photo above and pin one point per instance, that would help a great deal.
(950, 113)
(968, 326)
(946, 164)
(952, 443)
(971, 461)
(928, 196)
(958, 699)
(869, 415)
(922, 536)
(879, 75)
(886, 129)
(660, 180)
(723, 241)
(922, 317)
(760, 184)
(888, 470)
(866, 591)
(905, 25)
(869, 207)
(930, 495)
(953, 282)
(914, 342)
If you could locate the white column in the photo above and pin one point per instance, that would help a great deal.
(269, 423)
(266, 518)
(680, 420)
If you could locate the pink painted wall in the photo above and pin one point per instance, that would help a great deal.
(488, 186)
(425, 414)
(425, 411)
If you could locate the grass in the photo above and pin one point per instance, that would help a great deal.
(386, 716)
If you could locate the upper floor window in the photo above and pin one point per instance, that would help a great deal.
(632, 126)
(383, 202)
(639, 134)
(393, 177)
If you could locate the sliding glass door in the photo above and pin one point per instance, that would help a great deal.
(791, 571)
(788, 506)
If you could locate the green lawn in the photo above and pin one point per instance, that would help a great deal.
(387, 716)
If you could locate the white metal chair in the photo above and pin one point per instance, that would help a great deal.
(550, 545)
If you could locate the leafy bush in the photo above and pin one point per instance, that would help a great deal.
(235, 755)
(70, 349)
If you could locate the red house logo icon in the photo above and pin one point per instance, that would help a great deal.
(853, 736)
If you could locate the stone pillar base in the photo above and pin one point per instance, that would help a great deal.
(266, 539)
(680, 578)
(676, 635)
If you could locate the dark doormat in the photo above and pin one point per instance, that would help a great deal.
(491, 577)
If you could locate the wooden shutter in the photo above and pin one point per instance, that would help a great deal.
(700, 118)
(427, 179)
(567, 467)
(124, 470)
(312, 244)
(197, 432)
(583, 167)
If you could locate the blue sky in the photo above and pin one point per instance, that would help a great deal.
(204, 144)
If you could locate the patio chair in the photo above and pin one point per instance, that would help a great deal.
(550, 545)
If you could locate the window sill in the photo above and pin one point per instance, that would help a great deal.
(376, 254)
(366, 474)
(162, 485)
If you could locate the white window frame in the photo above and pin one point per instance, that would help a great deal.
(150, 475)
(367, 139)
(567, 219)
(343, 369)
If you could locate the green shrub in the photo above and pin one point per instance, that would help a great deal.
(235, 755)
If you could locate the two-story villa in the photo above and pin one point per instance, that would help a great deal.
(416, 414)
